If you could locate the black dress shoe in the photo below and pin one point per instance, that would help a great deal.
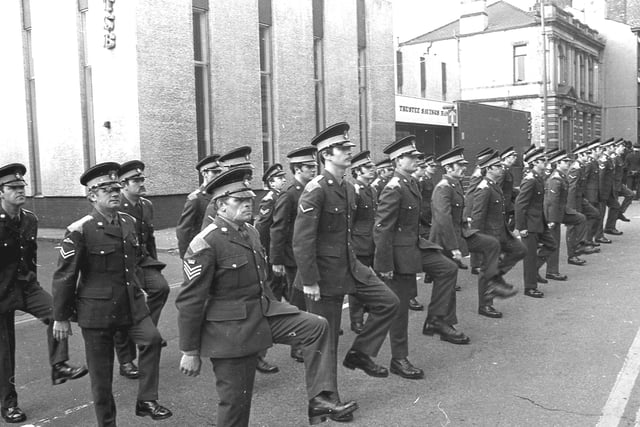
(355, 359)
(475, 270)
(296, 354)
(346, 418)
(415, 305)
(61, 372)
(163, 343)
(13, 415)
(533, 293)
(266, 367)
(489, 311)
(447, 332)
(153, 409)
(613, 231)
(357, 326)
(621, 217)
(405, 369)
(427, 278)
(557, 276)
(603, 240)
(586, 250)
(129, 370)
(458, 288)
(574, 260)
(541, 279)
(593, 243)
(322, 407)
(497, 289)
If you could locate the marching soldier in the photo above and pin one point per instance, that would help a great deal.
(303, 165)
(577, 194)
(592, 190)
(327, 266)
(97, 282)
(364, 172)
(226, 313)
(620, 180)
(508, 158)
(619, 189)
(401, 254)
(190, 221)
(490, 218)
(557, 212)
(607, 188)
(632, 165)
(238, 157)
(384, 172)
(154, 284)
(530, 221)
(20, 290)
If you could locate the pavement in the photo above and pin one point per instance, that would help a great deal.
(569, 359)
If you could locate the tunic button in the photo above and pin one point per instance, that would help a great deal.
(128, 283)
(125, 256)
(126, 269)
(101, 252)
(233, 265)
(336, 209)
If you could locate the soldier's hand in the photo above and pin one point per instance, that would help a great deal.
(61, 330)
(524, 233)
(552, 225)
(456, 254)
(387, 275)
(190, 365)
(312, 292)
(278, 269)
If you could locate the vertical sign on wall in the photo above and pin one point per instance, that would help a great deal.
(109, 25)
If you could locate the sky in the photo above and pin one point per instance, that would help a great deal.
(416, 17)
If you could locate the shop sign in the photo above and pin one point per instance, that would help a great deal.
(423, 111)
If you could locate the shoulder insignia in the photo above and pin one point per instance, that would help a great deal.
(193, 195)
(483, 184)
(143, 200)
(305, 210)
(66, 253)
(443, 183)
(126, 217)
(199, 243)
(77, 226)
(357, 188)
(191, 267)
(264, 211)
(313, 184)
(268, 196)
(28, 212)
(394, 182)
(529, 175)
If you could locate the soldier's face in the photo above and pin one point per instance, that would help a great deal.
(368, 172)
(308, 172)
(209, 174)
(495, 172)
(106, 197)
(407, 164)
(458, 170)
(432, 169)
(563, 165)
(13, 195)
(339, 156)
(135, 187)
(238, 210)
(278, 182)
(510, 160)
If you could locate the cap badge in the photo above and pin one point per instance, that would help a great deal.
(247, 183)
(346, 134)
(18, 175)
(113, 175)
(139, 170)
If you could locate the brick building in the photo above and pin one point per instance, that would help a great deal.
(169, 81)
(495, 52)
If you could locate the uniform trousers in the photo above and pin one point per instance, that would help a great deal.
(487, 252)
(592, 215)
(575, 234)
(157, 291)
(614, 208)
(627, 193)
(444, 273)
(382, 305)
(235, 376)
(294, 295)
(99, 344)
(356, 308)
(613, 214)
(539, 247)
(277, 284)
(633, 182)
(39, 304)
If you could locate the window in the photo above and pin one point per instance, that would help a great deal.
(591, 81)
(585, 127)
(583, 80)
(30, 86)
(201, 68)
(444, 80)
(318, 62)
(266, 95)
(423, 77)
(399, 76)
(519, 57)
(562, 65)
(362, 76)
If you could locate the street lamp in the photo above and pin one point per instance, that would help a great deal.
(452, 118)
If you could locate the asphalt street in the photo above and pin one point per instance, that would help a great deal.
(563, 360)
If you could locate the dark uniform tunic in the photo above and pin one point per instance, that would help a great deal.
(632, 166)
(400, 249)
(226, 313)
(97, 283)
(263, 224)
(529, 216)
(153, 282)
(20, 290)
(608, 195)
(190, 222)
(620, 189)
(426, 185)
(577, 200)
(489, 216)
(322, 245)
(558, 211)
(592, 194)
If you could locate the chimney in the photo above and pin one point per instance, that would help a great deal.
(473, 16)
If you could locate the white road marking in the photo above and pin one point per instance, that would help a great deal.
(614, 408)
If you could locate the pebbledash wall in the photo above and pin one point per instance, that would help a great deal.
(69, 101)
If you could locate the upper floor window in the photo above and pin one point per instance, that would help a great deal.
(583, 79)
(563, 65)
(399, 77)
(519, 60)
(423, 77)
(444, 80)
(201, 70)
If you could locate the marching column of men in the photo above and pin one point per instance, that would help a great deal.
(320, 239)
